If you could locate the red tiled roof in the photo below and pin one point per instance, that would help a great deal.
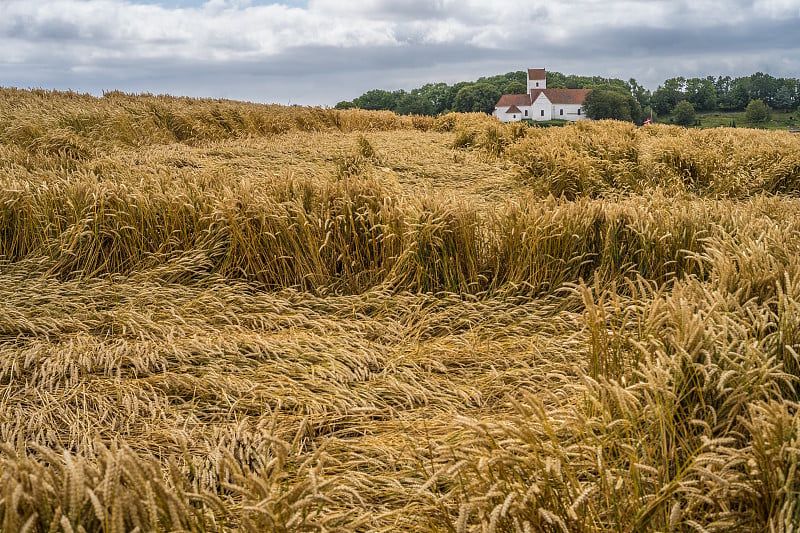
(536, 74)
(513, 109)
(556, 96)
(514, 100)
(566, 96)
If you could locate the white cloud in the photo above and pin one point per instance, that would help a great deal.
(221, 29)
(238, 29)
(778, 8)
(323, 47)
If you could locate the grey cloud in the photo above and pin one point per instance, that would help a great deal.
(306, 75)
(326, 73)
(54, 29)
(49, 30)
(382, 9)
(660, 43)
(58, 30)
(411, 9)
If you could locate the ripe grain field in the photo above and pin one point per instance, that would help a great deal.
(224, 316)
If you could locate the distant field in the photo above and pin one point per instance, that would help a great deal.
(778, 121)
(225, 316)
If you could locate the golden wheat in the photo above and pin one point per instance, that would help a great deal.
(227, 316)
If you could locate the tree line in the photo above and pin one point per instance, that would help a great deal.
(724, 93)
(438, 98)
(610, 97)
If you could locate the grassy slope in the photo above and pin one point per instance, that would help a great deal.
(217, 315)
(779, 121)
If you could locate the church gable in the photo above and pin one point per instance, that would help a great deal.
(541, 94)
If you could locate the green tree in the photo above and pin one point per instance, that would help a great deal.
(480, 97)
(740, 94)
(639, 92)
(500, 81)
(452, 91)
(377, 99)
(603, 102)
(589, 82)
(784, 98)
(796, 91)
(665, 98)
(723, 87)
(344, 104)
(757, 112)
(413, 104)
(763, 87)
(555, 80)
(435, 94)
(515, 87)
(705, 94)
(701, 93)
(684, 113)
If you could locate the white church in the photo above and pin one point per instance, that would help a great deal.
(541, 103)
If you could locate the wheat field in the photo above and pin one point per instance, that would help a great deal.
(219, 316)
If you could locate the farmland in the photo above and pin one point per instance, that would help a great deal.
(785, 120)
(228, 316)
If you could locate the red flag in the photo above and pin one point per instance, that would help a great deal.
(648, 121)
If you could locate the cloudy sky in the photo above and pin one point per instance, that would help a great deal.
(321, 51)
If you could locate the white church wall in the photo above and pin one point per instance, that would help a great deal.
(568, 112)
(504, 116)
(536, 84)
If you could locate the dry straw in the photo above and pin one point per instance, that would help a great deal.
(224, 316)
